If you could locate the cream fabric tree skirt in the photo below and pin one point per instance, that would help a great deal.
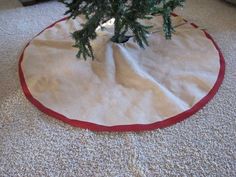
(126, 88)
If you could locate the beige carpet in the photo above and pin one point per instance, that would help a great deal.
(33, 144)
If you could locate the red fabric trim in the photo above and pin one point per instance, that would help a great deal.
(134, 127)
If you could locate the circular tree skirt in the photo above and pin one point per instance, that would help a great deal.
(125, 88)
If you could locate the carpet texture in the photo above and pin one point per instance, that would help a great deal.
(33, 144)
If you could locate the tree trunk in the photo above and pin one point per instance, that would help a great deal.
(118, 34)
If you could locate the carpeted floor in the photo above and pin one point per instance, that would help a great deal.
(33, 144)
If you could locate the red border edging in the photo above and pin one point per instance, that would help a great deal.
(134, 127)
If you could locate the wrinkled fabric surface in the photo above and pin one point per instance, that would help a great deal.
(125, 84)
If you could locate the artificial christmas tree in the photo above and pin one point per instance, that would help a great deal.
(126, 14)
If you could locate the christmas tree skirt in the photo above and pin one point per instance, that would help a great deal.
(125, 88)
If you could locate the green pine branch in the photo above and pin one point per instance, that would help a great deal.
(126, 14)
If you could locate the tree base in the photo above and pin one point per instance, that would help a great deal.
(30, 2)
(121, 39)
